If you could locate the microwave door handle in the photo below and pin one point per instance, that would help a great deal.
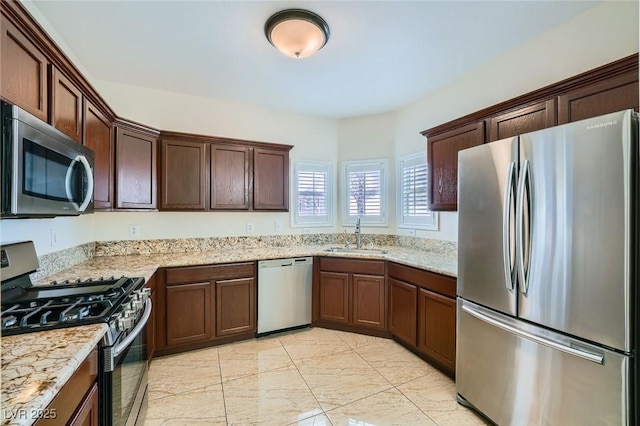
(67, 182)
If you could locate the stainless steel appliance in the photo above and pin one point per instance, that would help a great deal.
(547, 275)
(45, 173)
(284, 294)
(122, 303)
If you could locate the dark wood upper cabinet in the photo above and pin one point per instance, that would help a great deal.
(66, 105)
(271, 179)
(603, 97)
(442, 152)
(23, 71)
(98, 136)
(230, 177)
(523, 120)
(136, 169)
(184, 181)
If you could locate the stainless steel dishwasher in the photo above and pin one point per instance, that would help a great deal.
(284, 294)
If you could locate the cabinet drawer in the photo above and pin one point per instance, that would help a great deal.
(428, 280)
(356, 266)
(208, 273)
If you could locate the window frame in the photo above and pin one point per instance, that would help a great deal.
(381, 164)
(327, 167)
(429, 222)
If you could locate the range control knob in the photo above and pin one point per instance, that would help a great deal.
(137, 305)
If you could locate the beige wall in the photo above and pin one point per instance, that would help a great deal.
(600, 35)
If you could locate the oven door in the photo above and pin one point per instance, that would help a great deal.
(124, 379)
(51, 174)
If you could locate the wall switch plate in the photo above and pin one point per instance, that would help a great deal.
(250, 227)
(278, 226)
(306, 231)
(134, 231)
(54, 237)
(412, 232)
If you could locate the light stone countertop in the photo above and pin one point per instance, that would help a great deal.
(146, 265)
(35, 366)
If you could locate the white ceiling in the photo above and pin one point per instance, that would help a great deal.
(381, 55)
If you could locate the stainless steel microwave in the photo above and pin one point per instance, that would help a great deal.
(45, 173)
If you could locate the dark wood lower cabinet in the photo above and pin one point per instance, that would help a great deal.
(437, 328)
(199, 306)
(87, 414)
(235, 306)
(423, 314)
(151, 324)
(403, 309)
(352, 294)
(188, 310)
(368, 305)
(334, 297)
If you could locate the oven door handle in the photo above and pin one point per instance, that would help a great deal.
(122, 346)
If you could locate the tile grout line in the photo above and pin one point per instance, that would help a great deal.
(307, 384)
(224, 398)
(414, 404)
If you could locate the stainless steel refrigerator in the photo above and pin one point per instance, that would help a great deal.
(547, 275)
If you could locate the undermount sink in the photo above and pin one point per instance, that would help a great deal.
(356, 250)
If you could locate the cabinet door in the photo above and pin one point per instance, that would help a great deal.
(368, 302)
(87, 414)
(229, 177)
(184, 182)
(136, 186)
(442, 155)
(403, 309)
(437, 328)
(188, 313)
(98, 136)
(66, 105)
(523, 120)
(235, 306)
(334, 297)
(270, 179)
(23, 71)
(603, 97)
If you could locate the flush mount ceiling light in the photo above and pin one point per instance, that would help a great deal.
(297, 33)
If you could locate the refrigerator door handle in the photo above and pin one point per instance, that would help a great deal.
(506, 226)
(520, 219)
(598, 359)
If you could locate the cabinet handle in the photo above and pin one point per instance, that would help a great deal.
(440, 184)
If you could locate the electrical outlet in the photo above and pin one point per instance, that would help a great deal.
(134, 231)
(306, 231)
(250, 227)
(54, 237)
(278, 226)
(412, 232)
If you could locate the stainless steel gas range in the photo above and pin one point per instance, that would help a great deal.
(122, 303)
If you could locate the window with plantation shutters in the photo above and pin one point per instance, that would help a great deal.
(412, 194)
(312, 192)
(365, 192)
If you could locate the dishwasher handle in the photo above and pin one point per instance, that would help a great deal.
(283, 263)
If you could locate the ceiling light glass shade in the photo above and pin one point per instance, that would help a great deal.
(297, 33)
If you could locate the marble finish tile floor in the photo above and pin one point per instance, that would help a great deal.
(314, 377)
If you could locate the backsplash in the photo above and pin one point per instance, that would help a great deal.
(52, 263)
(185, 245)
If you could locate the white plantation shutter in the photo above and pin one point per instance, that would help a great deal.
(312, 194)
(365, 189)
(412, 194)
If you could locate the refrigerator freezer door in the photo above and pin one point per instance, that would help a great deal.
(519, 374)
(486, 220)
(579, 198)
